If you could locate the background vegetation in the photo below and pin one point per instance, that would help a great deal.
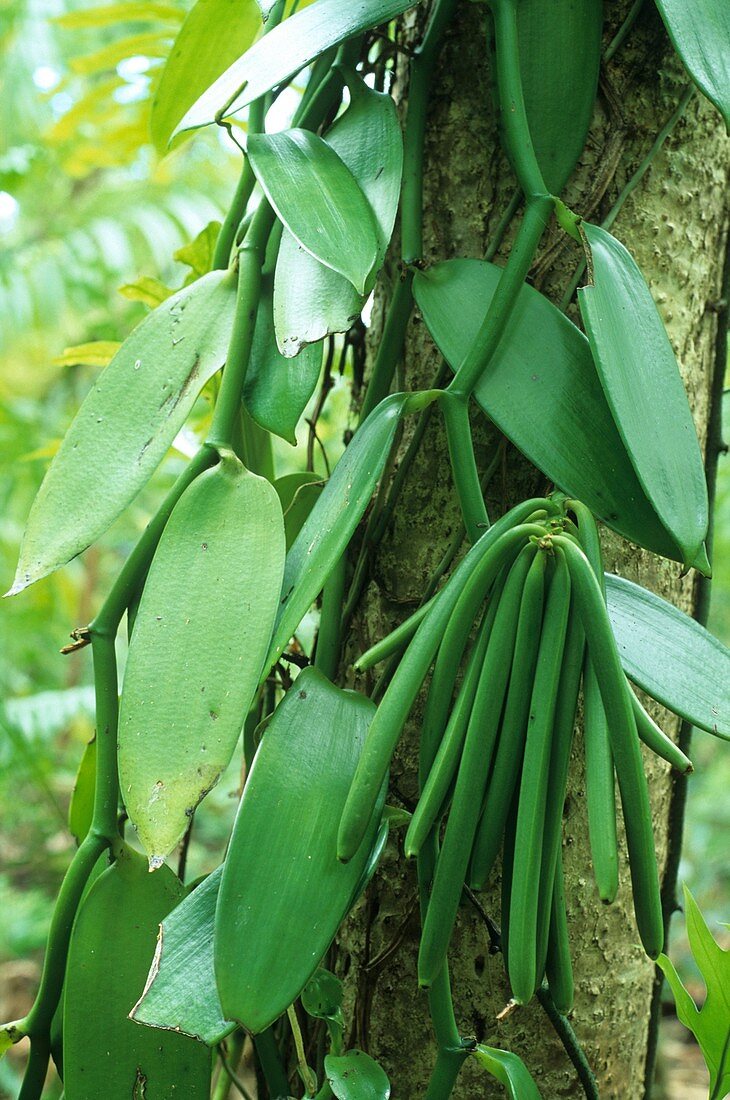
(87, 208)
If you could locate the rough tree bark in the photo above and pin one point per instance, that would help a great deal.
(675, 221)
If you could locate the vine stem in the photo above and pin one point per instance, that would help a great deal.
(455, 412)
(572, 1047)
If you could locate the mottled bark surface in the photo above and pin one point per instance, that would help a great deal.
(674, 221)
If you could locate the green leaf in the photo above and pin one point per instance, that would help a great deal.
(277, 390)
(198, 254)
(113, 939)
(147, 290)
(332, 521)
(127, 423)
(322, 995)
(560, 54)
(356, 1076)
(196, 653)
(319, 201)
(111, 14)
(311, 300)
(700, 33)
(81, 807)
(271, 930)
(710, 1025)
(543, 393)
(298, 494)
(509, 1070)
(286, 50)
(214, 34)
(97, 353)
(644, 389)
(181, 993)
(670, 656)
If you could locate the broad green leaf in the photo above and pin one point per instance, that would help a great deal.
(542, 391)
(181, 993)
(98, 353)
(311, 300)
(197, 649)
(644, 390)
(670, 656)
(710, 1025)
(356, 1076)
(147, 290)
(127, 423)
(509, 1070)
(277, 390)
(298, 493)
(214, 34)
(112, 14)
(700, 33)
(104, 1052)
(286, 50)
(147, 44)
(319, 201)
(198, 254)
(560, 54)
(332, 521)
(322, 995)
(81, 807)
(271, 930)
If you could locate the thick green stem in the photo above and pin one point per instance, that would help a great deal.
(390, 348)
(329, 636)
(36, 1070)
(486, 343)
(463, 465)
(515, 127)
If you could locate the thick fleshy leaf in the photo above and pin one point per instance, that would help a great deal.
(277, 389)
(700, 33)
(286, 50)
(214, 34)
(271, 930)
(332, 521)
(356, 1076)
(644, 389)
(298, 493)
(670, 656)
(322, 995)
(197, 649)
(181, 993)
(311, 300)
(127, 423)
(319, 201)
(710, 1024)
(543, 392)
(81, 806)
(560, 54)
(104, 1052)
(510, 1070)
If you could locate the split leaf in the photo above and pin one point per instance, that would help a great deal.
(710, 1024)
(356, 1076)
(331, 523)
(543, 393)
(127, 423)
(104, 1052)
(214, 34)
(670, 656)
(286, 50)
(560, 55)
(644, 390)
(318, 199)
(272, 931)
(181, 993)
(700, 33)
(311, 300)
(277, 389)
(197, 649)
(509, 1070)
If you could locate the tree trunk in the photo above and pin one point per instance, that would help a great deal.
(675, 222)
